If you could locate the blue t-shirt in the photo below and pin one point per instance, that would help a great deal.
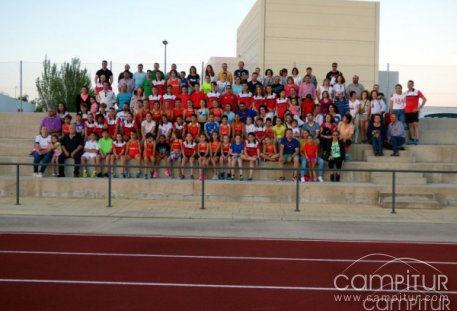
(139, 77)
(237, 149)
(342, 106)
(290, 146)
(247, 113)
(211, 127)
(123, 98)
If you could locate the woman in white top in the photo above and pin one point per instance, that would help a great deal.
(354, 107)
(398, 102)
(295, 75)
(148, 126)
(325, 87)
(134, 100)
(165, 128)
(42, 152)
(339, 86)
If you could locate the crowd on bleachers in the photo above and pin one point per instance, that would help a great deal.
(222, 120)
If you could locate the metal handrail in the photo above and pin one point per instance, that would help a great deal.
(204, 168)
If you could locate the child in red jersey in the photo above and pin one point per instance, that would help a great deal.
(156, 112)
(194, 127)
(310, 152)
(217, 111)
(225, 157)
(225, 128)
(100, 125)
(258, 99)
(178, 111)
(215, 153)
(111, 123)
(66, 125)
(270, 99)
(170, 97)
(259, 130)
(189, 150)
(269, 129)
(197, 96)
(175, 150)
(167, 111)
(89, 126)
(282, 103)
(203, 149)
(189, 112)
(128, 126)
(148, 155)
(269, 152)
(251, 153)
(180, 127)
(119, 147)
(238, 126)
(132, 152)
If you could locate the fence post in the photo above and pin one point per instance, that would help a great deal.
(20, 85)
(17, 184)
(203, 188)
(109, 187)
(393, 193)
(297, 192)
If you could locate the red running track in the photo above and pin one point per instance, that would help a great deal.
(99, 272)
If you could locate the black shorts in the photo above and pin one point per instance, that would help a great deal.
(203, 154)
(411, 117)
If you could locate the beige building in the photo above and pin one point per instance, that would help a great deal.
(286, 33)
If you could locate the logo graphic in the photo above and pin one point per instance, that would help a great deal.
(384, 282)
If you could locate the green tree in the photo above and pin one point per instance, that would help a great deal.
(63, 85)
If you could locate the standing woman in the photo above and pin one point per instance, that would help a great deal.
(363, 115)
(325, 87)
(339, 86)
(290, 84)
(295, 75)
(192, 78)
(237, 88)
(269, 78)
(336, 154)
(83, 97)
(209, 72)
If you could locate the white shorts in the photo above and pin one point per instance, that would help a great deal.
(89, 155)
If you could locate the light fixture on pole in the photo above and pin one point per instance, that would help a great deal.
(165, 42)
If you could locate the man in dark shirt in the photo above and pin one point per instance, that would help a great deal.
(241, 72)
(243, 112)
(277, 87)
(104, 72)
(72, 147)
(252, 85)
(332, 75)
(126, 69)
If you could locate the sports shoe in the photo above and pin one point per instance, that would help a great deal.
(282, 178)
(416, 142)
(100, 175)
(183, 176)
(250, 179)
(106, 175)
(125, 175)
(167, 173)
(146, 176)
(410, 142)
(113, 175)
(35, 174)
(93, 175)
(303, 179)
(40, 174)
(232, 177)
(84, 174)
(241, 178)
(138, 174)
(320, 179)
(215, 177)
(155, 175)
(191, 176)
(54, 175)
(200, 177)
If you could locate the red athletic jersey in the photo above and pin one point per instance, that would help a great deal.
(217, 113)
(412, 100)
(307, 106)
(127, 127)
(196, 97)
(184, 98)
(215, 146)
(149, 150)
(119, 148)
(259, 132)
(156, 115)
(90, 127)
(177, 113)
(238, 128)
(224, 130)
(231, 99)
(203, 147)
(225, 149)
(161, 86)
(171, 99)
(189, 148)
(269, 132)
(194, 129)
(251, 148)
(189, 113)
(111, 123)
(134, 148)
(245, 98)
(270, 101)
(212, 96)
(270, 148)
(281, 106)
(176, 145)
(258, 101)
(310, 150)
(180, 128)
(99, 128)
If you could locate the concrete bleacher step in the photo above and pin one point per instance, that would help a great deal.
(410, 203)
(400, 178)
(388, 159)
(15, 146)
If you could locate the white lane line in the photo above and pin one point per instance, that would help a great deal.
(224, 238)
(270, 287)
(13, 252)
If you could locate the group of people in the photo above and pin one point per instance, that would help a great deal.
(228, 119)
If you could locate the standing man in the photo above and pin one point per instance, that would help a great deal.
(412, 110)
(355, 86)
(252, 85)
(139, 77)
(126, 70)
(72, 147)
(331, 75)
(173, 67)
(107, 96)
(309, 72)
(104, 72)
(241, 73)
(307, 88)
(289, 150)
(155, 71)
(224, 70)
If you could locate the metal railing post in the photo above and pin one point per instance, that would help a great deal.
(109, 187)
(297, 192)
(17, 184)
(203, 188)
(393, 193)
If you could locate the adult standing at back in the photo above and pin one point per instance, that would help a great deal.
(355, 86)
(333, 74)
(228, 73)
(126, 70)
(155, 71)
(412, 110)
(241, 72)
(104, 71)
(139, 77)
(397, 103)
(83, 97)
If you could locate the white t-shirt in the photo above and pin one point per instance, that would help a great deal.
(43, 142)
(337, 88)
(399, 101)
(354, 107)
(91, 145)
(148, 126)
(164, 129)
(250, 128)
(322, 89)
